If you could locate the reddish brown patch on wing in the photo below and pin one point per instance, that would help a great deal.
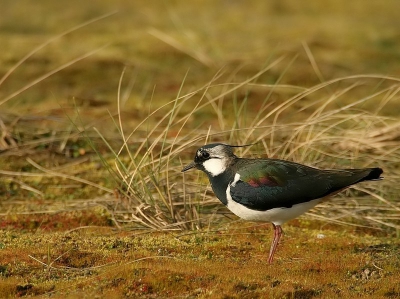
(254, 183)
(262, 182)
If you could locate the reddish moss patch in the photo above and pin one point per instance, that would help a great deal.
(55, 222)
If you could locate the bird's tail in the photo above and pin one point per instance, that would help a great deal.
(374, 174)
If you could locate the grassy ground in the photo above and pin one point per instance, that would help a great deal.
(229, 262)
(101, 105)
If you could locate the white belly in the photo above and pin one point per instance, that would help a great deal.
(277, 216)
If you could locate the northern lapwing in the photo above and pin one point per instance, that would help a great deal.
(271, 190)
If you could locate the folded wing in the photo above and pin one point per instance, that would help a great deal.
(267, 184)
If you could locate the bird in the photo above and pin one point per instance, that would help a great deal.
(271, 190)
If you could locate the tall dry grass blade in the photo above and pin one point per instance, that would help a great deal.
(41, 46)
(66, 176)
(313, 62)
(173, 42)
(48, 74)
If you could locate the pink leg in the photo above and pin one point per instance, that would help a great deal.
(277, 236)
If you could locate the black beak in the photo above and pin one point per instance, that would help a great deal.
(189, 166)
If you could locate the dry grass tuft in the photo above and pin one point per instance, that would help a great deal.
(156, 195)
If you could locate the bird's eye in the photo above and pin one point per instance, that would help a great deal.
(205, 155)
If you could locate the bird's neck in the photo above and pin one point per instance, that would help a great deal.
(220, 183)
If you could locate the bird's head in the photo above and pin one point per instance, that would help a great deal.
(213, 159)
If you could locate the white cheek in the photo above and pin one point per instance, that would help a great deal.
(214, 166)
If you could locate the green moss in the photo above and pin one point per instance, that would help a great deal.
(159, 264)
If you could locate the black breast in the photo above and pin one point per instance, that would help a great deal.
(220, 183)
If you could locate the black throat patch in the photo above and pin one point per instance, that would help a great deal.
(220, 183)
